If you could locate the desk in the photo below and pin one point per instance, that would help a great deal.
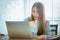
(6, 38)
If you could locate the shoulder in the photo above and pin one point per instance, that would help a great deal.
(47, 24)
(27, 19)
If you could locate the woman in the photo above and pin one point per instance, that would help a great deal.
(37, 14)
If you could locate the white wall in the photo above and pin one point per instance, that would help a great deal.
(56, 8)
(10, 10)
(56, 13)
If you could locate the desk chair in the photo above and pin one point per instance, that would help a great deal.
(54, 29)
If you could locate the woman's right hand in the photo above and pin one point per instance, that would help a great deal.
(32, 23)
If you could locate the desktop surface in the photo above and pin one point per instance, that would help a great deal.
(43, 37)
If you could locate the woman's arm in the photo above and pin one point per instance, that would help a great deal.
(47, 30)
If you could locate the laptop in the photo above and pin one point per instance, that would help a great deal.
(18, 29)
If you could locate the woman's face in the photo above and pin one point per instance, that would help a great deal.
(35, 12)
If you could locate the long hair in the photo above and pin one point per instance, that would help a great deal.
(41, 19)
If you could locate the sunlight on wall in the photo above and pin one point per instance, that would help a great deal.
(14, 11)
(10, 10)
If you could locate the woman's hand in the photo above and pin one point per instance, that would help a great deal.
(32, 23)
